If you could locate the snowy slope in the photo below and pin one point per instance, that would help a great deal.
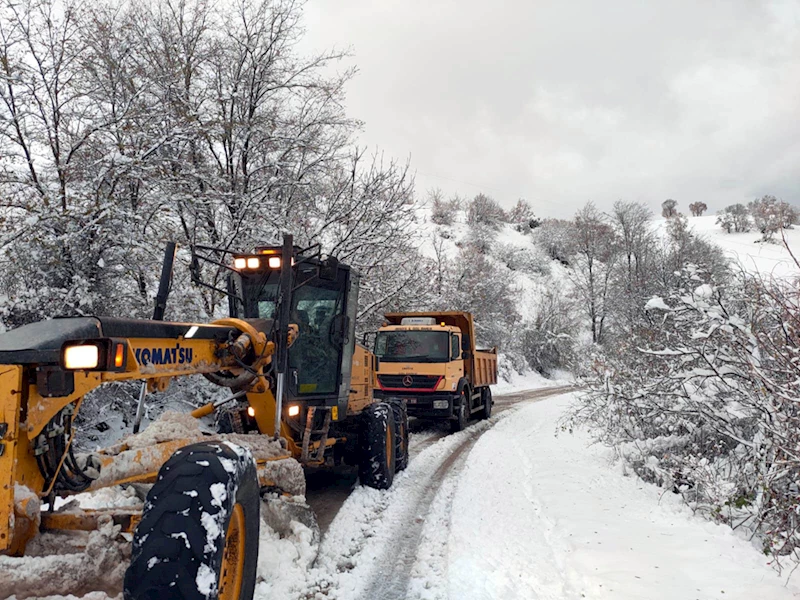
(745, 248)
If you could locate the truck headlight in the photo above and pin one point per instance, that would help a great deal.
(441, 404)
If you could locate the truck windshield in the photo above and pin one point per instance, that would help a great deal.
(413, 346)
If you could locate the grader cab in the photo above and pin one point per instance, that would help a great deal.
(300, 394)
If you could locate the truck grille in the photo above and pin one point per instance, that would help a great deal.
(409, 382)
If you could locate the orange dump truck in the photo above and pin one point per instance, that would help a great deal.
(429, 360)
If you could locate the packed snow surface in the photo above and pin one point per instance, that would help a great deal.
(552, 517)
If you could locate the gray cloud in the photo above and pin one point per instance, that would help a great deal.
(564, 101)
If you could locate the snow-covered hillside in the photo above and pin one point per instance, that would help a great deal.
(512, 261)
(746, 249)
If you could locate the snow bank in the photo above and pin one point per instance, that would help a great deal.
(66, 566)
(531, 380)
(551, 517)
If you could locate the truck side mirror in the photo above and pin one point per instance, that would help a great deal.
(465, 355)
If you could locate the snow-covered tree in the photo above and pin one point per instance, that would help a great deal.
(698, 208)
(735, 218)
(597, 251)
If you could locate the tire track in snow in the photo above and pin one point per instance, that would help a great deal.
(393, 574)
(327, 490)
(392, 578)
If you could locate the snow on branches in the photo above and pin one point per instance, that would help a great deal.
(703, 399)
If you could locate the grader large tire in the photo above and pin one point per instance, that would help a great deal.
(198, 537)
(376, 465)
(401, 440)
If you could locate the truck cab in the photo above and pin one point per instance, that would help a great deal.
(430, 361)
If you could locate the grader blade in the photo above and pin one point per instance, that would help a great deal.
(283, 514)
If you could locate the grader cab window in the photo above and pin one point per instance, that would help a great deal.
(315, 352)
(318, 307)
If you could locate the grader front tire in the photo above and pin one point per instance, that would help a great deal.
(376, 465)
(401, 428)
(198, 537)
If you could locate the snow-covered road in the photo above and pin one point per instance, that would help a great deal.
(535, 516)
(508, 509)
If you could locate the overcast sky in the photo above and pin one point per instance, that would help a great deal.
(563, 101)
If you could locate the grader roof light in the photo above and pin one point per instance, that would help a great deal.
(253, 262)
(274, 262)
(240, 263)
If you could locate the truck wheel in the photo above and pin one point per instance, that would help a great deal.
(486, 400)
(376, 466)
(198, 537)
(401, 428)
(461, 420)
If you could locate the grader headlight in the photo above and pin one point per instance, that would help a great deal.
(83, 357)
(104, 354)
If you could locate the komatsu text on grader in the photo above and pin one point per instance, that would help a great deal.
(301, 394)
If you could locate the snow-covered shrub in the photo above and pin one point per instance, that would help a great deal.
(522, 217)
(768, 215)
(557, 238)
(531, 260)
(702, 398)
(548, 341)
(483, 210)
(443, 212)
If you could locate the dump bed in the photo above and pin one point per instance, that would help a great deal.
(484, 368)
(480, 365)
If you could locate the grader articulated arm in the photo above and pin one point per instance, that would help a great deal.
(47, 368)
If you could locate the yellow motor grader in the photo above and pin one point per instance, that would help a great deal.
(300, 395)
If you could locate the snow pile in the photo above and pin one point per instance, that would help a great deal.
(63, 564)
(138, 454)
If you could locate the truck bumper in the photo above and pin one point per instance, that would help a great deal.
(426, 406)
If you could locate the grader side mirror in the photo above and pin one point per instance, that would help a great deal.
(328, 269)
(339, 330)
